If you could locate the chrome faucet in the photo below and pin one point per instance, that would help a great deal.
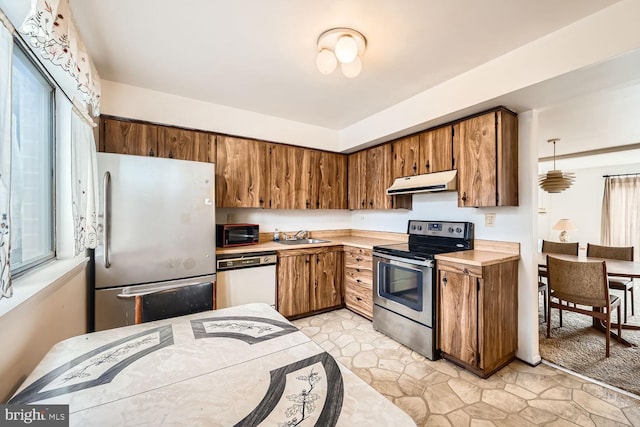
(302, 234)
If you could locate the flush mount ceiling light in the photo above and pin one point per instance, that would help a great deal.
(555, 181)
(343, 46)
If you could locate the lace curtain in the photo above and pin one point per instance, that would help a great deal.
(84, 181)
(6, 53)
(51, 32)
(621, 213)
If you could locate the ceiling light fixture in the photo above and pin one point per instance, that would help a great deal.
(340, 45)
(555, 181)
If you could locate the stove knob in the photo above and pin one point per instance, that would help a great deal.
(450, 229)
(420, 227)
(458, 230)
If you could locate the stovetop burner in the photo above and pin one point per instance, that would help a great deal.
(429, 238)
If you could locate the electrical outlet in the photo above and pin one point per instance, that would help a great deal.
(231, 218)
(489, 219)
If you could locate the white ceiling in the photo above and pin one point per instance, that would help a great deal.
(259, 55)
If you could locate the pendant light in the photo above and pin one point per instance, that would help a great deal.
(555, 181)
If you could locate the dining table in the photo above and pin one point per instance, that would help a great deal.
(239, 366)
(617, 268)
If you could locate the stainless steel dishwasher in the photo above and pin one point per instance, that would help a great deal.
(246, 278)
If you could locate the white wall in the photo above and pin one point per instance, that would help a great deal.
(30, 330)
(143, 104)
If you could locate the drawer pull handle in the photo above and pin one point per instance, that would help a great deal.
(358, 259)
(359, 299)
(358, 280)
(465, 271)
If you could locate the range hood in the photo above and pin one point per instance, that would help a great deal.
(427, 183)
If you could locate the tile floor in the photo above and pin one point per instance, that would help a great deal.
(441, 394)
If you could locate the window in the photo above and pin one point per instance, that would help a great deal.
(32, 165)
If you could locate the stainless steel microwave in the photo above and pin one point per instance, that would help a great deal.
(229, 235)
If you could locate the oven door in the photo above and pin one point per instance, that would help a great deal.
(405, 287)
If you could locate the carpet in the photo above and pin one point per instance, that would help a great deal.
(580, 348)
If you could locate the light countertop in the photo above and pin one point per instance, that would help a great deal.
(346, 240)
(478, 258)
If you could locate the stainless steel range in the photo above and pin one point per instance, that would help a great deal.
(404, 276)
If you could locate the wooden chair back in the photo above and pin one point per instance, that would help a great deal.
(623, 253)
(560, 248)
(578, 282)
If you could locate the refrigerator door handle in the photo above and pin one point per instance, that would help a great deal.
(126, 295)
(106, 182)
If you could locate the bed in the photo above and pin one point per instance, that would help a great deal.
(240, 366)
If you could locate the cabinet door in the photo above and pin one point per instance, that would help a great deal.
(290, 177)
(459, 316)
(293, 284)
(184, 144)
(477, 161)
(326, 279)
(436, 150)
(129, 138)
(357, 186)
(328, 180)
(242, 173)
(378, 177)
(405, 156)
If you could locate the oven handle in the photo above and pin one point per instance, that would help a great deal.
(422, 263)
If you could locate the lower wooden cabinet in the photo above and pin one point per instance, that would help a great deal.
(478, 314)
(358, 281)
(309, 280)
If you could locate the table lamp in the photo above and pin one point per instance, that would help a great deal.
(564, 225)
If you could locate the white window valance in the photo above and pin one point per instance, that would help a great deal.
(50, 30)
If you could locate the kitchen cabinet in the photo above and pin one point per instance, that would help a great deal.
(406, 156)
(370, 174)
(358, 281)
(328, 180)
(309, 280)
(436, 150)
(290, 184)
(123, 137)
(242, 173)
(486, 156)
(147, 139)
(184, 144)
(478, 314)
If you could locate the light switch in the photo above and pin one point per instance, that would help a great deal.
(489, 219)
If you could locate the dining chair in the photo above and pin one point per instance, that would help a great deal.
(583, 283)
(180, 301)
(555, 248)
(625, 284)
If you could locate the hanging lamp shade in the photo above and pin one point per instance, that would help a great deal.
(555, 181)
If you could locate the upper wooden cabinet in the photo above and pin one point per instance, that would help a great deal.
(406, 156)
(290, 185)
(486, 156)
(146, 139)
(370, 174)
(124, 137)
(436, 150)
(329, 180)
(185, 144)
(357, 185)
(242, 173)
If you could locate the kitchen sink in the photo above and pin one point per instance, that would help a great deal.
(302, 241)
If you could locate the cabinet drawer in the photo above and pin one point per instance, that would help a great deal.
(359, 298)
(358, 275)
(358, 258)
(472, 270)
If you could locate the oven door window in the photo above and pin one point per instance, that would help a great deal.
(400, 284)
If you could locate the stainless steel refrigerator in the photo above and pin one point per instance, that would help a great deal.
(156, 228)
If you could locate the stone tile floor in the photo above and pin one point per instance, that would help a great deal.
(441, 394)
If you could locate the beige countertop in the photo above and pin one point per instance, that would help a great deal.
(479, 258)
(364, 242)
